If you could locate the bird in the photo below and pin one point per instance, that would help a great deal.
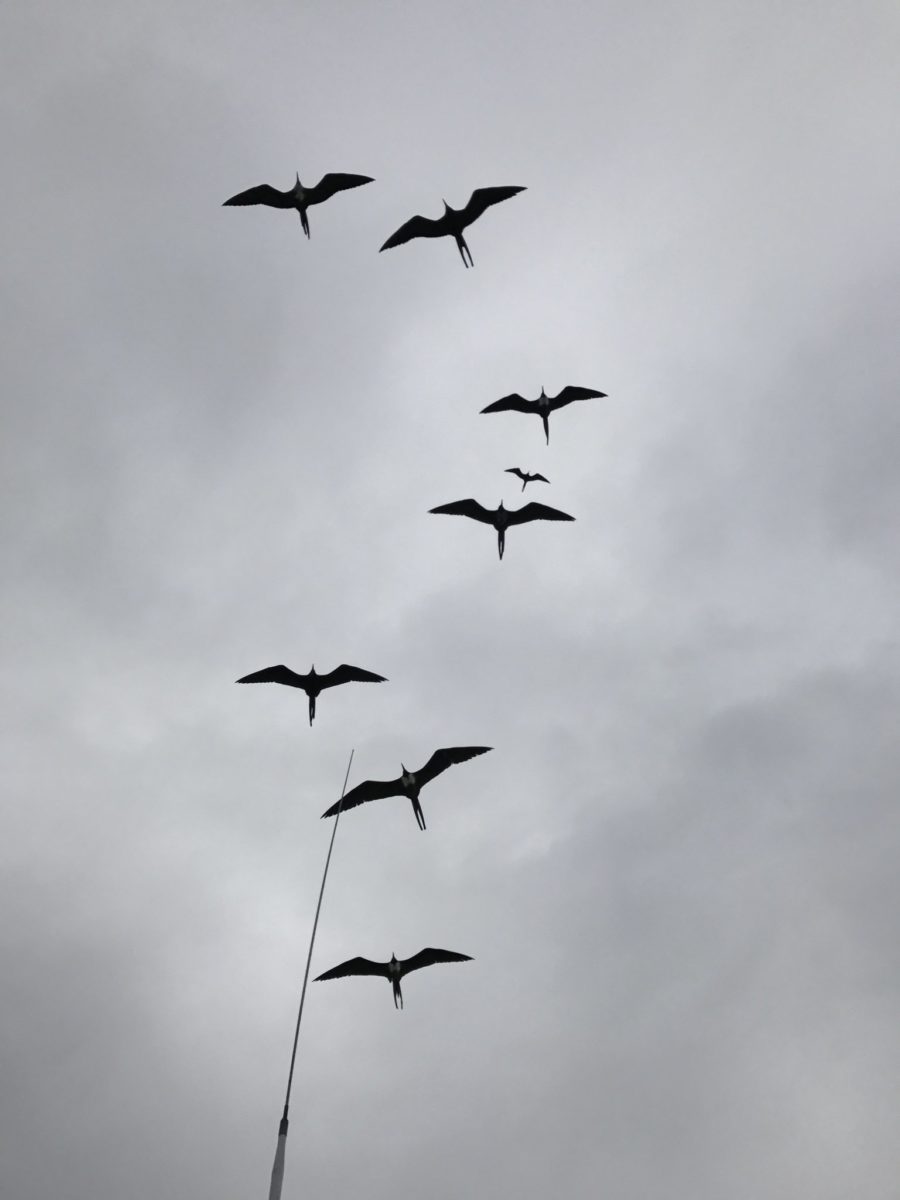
(544, 405)
(409, 783)
(525, 477)
(312, 683)
(298, 196)
(501, 518)
(453, 221)
(393, 970)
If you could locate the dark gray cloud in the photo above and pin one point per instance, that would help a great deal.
(675, 871)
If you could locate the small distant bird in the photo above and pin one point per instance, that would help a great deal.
(453, 222)
(544, 405)
(395, 969)
(525, 477)
(299, 197)
(501, 518)
(409, 784)
(312, 683)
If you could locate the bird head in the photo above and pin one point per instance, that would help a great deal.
(393, 957)
(446, 206)
(298, 176)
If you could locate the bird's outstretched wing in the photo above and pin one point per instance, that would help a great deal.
(370, 789)
(442, 759)
(536, 512)
(355, 966)
(263, 194)
(415, 227)
(482, 199)
(427, 958)
(525, 477)
(568, 394)
(279, 674)
(512, 403)
(348, 674)
(466, 508)
(335, 182)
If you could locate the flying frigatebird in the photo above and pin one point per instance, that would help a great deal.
(312, 683)
(544, 405)
(395, 969)
(453, 221)
(501, 518)
(299, 197)
(526, 477)
(409, 783)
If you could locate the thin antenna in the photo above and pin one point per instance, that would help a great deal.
(278, 1165)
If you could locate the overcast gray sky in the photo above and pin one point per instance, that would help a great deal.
(677, 871)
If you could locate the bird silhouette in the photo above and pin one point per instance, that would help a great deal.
(409, 783)
(525, 477)
(453, 221)
(501, 518)
(395, 969)
(544, 405)
(312, 683)
(299, 197)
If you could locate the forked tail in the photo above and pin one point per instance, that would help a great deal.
(463, 248)
(417, 809)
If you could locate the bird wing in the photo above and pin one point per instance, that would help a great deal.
(536, 512)
(355, 966)
(415, 227)
(512, 403)
(442, 759)
(335, 182)
(279, 674)
(264, 194)
(427, 958)
(370, 789)
(466, 508)
(542, 478)
(568, 394)
(348, 674)
(516, 471)
(482, 199)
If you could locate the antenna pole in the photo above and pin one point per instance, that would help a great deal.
(278, 1165)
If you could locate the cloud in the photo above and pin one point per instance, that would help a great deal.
(675, 870)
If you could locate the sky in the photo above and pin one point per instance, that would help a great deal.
(676, 872)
